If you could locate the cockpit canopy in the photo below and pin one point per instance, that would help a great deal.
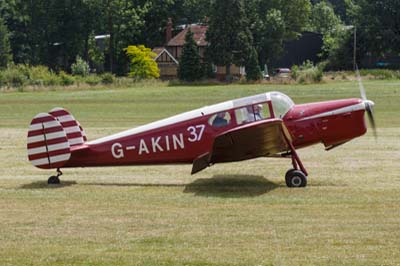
(281, 103)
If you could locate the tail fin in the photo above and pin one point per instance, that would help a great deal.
(51, 137)
(48, 145)
(74, 131)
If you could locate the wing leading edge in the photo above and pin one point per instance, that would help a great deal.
(260, 139)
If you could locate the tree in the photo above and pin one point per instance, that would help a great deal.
(95, 54)
(54, 32)
(323, 19)
(180, 11)
(269, 34)
(14, 14)
(142, 64)
(340, 7)
(378, 24)
(229, 37)
(340, 52)
(124, 22)
(44, 30)
(273, 22)
(5, 50)
(189, 68)
(295, 13)
(253, 71)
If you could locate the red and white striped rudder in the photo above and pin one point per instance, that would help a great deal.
(48, 146)
(75, 133)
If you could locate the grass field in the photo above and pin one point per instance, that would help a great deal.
(230, 214)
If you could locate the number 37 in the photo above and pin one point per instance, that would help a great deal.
(196, 132)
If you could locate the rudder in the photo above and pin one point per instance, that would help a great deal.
(74, 131)
(48, 145)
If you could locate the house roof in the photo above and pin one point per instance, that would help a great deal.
(199, 36)
(158, 50)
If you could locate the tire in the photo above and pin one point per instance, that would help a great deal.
(53, 180)
(289, 172)
(295, 178)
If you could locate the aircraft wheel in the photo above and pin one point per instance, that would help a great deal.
(295, 178)
(53, 180)
(289, 172)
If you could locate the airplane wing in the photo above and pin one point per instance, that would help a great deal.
(259, 139)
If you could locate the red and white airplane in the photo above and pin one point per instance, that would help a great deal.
(264, 125)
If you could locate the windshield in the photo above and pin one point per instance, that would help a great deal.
(281, 104)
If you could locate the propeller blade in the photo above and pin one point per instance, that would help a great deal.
(368, 104)
(360, 84)
(370, 112)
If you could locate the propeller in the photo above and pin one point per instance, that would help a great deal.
(368, 103)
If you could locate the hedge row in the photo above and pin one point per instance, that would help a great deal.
(16, 76)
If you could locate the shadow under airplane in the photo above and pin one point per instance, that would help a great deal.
(230, 186)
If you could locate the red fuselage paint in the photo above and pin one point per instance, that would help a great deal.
(330, 123)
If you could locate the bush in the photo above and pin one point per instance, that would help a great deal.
(295, 72)
(142, 64)
(107, 78)
(92, 80)
(66, 79)
(52, 80)
(80, 67)
(381, 73)
(13, 77)
(40, 75)
(310, 75)
(307, 72)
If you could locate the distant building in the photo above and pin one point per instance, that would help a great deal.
(168, 56)
(295, 52)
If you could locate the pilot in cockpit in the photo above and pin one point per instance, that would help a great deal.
(254, 113)
(220, 120)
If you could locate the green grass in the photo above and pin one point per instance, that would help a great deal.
(230, 214)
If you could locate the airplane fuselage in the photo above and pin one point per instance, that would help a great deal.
(183, 138)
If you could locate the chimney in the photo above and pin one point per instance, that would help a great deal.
(168, 31)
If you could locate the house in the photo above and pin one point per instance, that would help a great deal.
(168, 56)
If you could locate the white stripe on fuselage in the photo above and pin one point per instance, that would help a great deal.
(351, 108)
(188, 116)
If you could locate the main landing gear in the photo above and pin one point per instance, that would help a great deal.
(297, 176)
(54, 179)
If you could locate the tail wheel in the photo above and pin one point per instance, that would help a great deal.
(295, 178)
(53, 180)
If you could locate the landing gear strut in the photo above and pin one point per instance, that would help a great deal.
(297, 176)
(54, 179)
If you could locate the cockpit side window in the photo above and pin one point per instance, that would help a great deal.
(220, 119)
(252, 113)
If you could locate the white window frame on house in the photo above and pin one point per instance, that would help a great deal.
(169, 54)
(242, 70)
